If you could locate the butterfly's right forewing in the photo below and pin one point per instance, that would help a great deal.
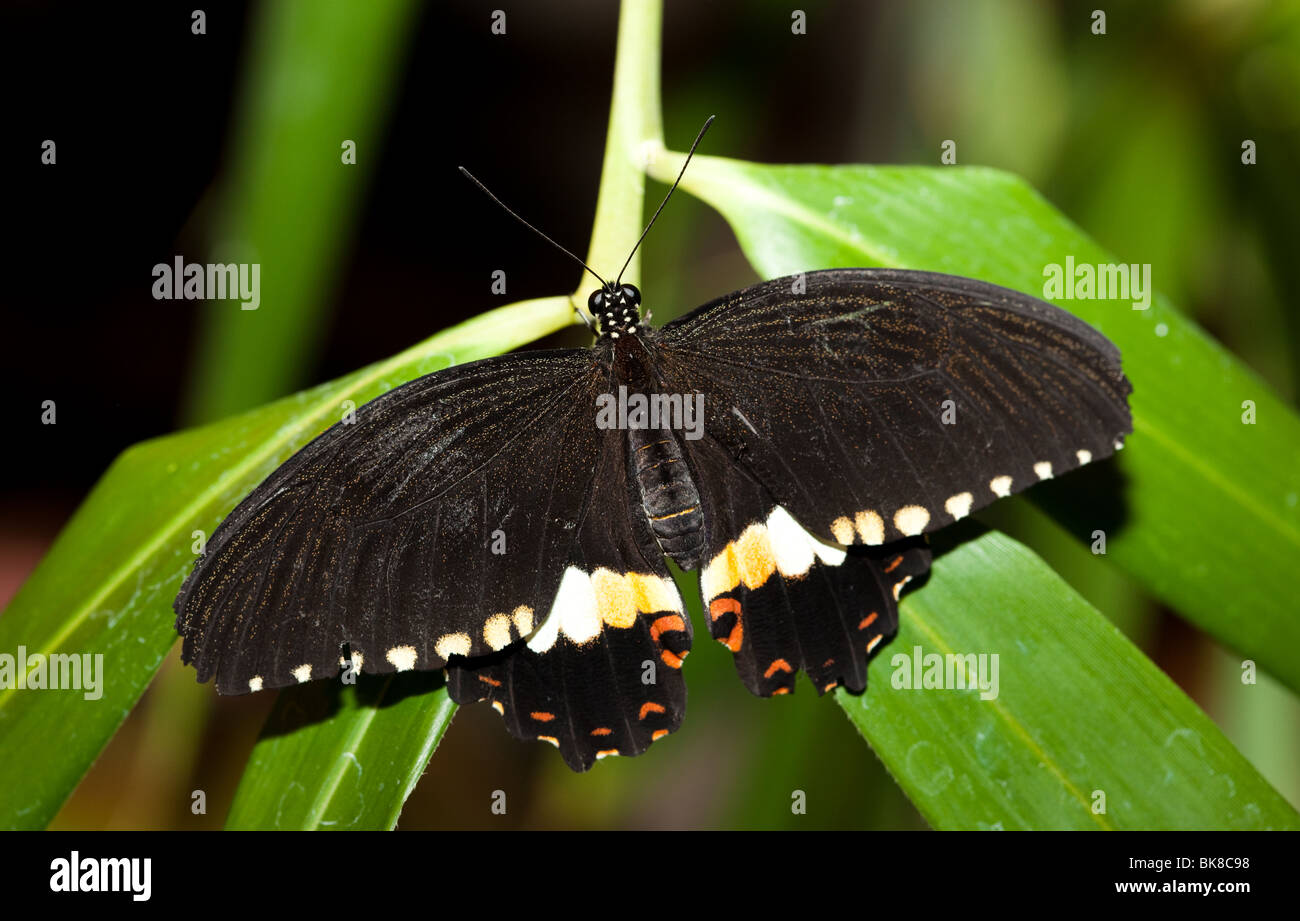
(449, 501)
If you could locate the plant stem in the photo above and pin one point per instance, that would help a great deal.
(635, 127)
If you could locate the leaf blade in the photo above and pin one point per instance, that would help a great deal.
(334, 757)
(1026, 758)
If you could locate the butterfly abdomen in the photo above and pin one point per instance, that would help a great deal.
(668, 494)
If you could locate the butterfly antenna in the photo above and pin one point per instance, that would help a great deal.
(689, 154)
(507, 209)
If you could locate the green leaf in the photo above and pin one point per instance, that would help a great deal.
(341, 758)
(1079, 710)
(107, 585)
(1210, 521)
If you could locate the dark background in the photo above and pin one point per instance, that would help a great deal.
(144, 114)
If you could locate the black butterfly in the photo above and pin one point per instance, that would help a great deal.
(825, 455)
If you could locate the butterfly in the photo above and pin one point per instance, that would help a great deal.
(509, 520)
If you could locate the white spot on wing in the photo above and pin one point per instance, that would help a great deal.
(911, 519)
(255, 683)
(958, 506)
(1001, 485)
(842, 528)
(794, 547)
(871, 528)
(574, 612)
(402, 658)
(302, 674)
(1043, 469)
(791, 545)
(523, 618)
(1083, 456)
(452, 644)
(496, 631)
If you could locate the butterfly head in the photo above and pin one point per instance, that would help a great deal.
(616, 310)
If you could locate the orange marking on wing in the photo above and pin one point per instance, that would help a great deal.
(669, 623)
(722, 606)
(875, 641)
(541, 716)
(735, 637)
(828, 662)
(831, 686)
(671, 659)
(650, 707)
(780, 665)
(780, 691)
(893, 564)
(604, 753)
(867, 621)
(658, 734)
(492, 681)
(602, 731)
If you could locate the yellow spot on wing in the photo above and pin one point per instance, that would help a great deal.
(654, 594)
(721, 575)
(615, 599)
(754, 558)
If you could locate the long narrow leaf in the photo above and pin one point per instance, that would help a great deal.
(339, 758)
(1079, 729)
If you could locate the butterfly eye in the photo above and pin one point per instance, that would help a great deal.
(631, 296)
(596, 303)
